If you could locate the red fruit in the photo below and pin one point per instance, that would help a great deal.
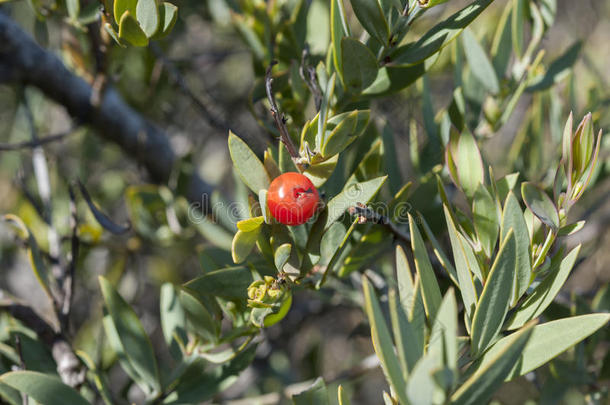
(292, 199)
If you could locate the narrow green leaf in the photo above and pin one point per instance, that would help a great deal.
(10, 395)
(409, 346)
(463, 266)
(544, 294)
(130, 30)
(512, 218)
(135, 341)
(370, 15)
(318, 173)
(391, 79)
(147, 15)
(479, 388)
(443, 337)
(249, 168)
(43, 388)
(501, 48)
(517, 22)
(439, 36)
(479, 63)
(540, 204)
(468, 162)
(557, 70)
(359, 64)
(495, 298)
(339, 30)
(382, 342)
(324, 110)
(421, 387)
(341, 136)
(431, 293)
(316, 394)
(439, 252)
(547, 342)
(485, 218)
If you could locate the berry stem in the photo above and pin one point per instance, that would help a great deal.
(280, 120)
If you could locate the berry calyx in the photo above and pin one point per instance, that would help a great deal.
(292, 198)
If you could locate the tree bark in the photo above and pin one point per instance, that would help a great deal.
(23, 60)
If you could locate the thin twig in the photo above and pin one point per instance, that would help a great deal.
(68, 286)
(308, 74)
(4, 147)
(204, 106)
(279, 118)
(366, 214)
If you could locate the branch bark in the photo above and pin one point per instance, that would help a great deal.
(22, 60)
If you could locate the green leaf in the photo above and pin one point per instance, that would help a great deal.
(314, 395)
(465, 154)
(113, 34)
(544, 294)
(147, 15)
(495, 298)
(382, 342)
(73, 7)
(199, 384)
(130, 30)
(547, 342)
(443, 337)
(485, 218)
(199, 318)
(439, 36)
(281, 256)
(97, 376)
(501, 47)
(421, 387)
(370, 15)
(250, 224)
(324, 110)
(120, 6)
(517, 21)
(318, 173)
(249, 168)
(512, 217)
(43, 388)
(479, 63)
(136, 344)
(34, 254)
(339, 29)
(243, 243)
(391, 79)
(10, 395)
(409, 345)
(173, 320)
(230, 283)
(540, 204)
(348, 129)
(479, 388)
(168, 14)
(431, 293)
(352, 193)
(439, 252)
(359, 64)
(558, 69)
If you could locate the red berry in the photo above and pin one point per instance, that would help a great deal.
(292, 199)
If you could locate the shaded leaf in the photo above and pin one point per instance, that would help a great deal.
(230, 283)
(370, 15)
(479, 63)
(249, 168)
(540, 204)
(316, 394)
(359, 64)
(43, 388)
(100, 217)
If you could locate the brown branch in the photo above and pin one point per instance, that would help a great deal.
(308, 74)
(279, 118)
(22, 60)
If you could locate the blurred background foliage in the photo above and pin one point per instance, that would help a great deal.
(206, 77)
